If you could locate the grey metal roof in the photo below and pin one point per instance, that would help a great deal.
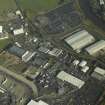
(80, 39)
(70, 79)
(93, 49)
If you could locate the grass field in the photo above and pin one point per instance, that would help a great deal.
(33, 7)
(4, 43)
(5, 7)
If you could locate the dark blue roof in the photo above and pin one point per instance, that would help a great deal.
(16, 51)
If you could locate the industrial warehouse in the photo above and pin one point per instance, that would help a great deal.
(69, 78)
(80, 40)
(51, 53)
(32, 102)
(99, 73)
(96, 48)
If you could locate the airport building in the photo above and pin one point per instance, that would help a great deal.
(96, 48)
(70, 79)
(80, 40)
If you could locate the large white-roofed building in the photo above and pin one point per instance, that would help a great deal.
(32, 102)
(102, 2)
(79, 40)
(96, 47)
(27, 56)
(99, 73)
(70, 79)
(1, 29)
(18, 31)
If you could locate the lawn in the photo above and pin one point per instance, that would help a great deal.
(33, 7)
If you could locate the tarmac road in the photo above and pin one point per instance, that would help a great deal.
(85, 6)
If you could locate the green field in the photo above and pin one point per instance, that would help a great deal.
(33, 7)
(5, 7)
(4, 43)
